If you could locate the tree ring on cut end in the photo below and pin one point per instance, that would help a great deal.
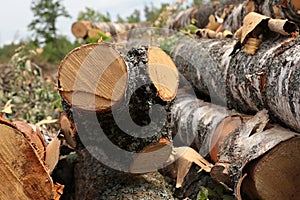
(93, 77)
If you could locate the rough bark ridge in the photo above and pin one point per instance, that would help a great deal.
(234, 141)
(269, 79)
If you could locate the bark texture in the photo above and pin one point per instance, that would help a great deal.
(208, 126)
(269, 79)
(105, 183)
(236, 11)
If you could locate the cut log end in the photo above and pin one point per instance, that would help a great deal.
(93, 77)
(22, 171)
(163, 73)
(276, 175)
(80, 28)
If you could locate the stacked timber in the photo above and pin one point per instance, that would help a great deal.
(252, 156)
(88, 29)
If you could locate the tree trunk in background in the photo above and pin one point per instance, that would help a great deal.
(235, 141)
(269, 79)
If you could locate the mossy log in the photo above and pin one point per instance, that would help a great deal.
(246, 149)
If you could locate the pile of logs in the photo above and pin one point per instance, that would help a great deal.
(133, 114)
(88, 29)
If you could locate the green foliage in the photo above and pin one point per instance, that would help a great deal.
(217, 193)
(120, 19)
(152, 12)
(169, 44)
(92, 15)
(7, 51)
(32, 98)
(104, 38)
(46, 13)
(197, 2)
(49, 51)
(135, 17)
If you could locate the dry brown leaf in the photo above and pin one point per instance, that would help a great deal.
(213, 23)
(52, 154)
(250, 22)
(186, 156)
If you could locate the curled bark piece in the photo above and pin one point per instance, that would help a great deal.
(250, 23)
(283, 27)
(52, 154)
(68, 128)
(33, 136)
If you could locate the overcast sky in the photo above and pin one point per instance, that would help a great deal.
(15, 15)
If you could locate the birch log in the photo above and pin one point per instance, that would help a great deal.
(242, 146)
(269, 79)
(232, 13)
(118, 101)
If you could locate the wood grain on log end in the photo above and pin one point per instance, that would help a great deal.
(80, 28)
(224, 128)
(93, 77)
(163, 73)
(94, 33)
(276, 174)
(22, 171)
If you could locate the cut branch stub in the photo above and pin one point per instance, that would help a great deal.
(93, 77)
(163, 73)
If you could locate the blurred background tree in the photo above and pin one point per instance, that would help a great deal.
(46, 13)
(135, 17)
(90, 14)
(152, 12)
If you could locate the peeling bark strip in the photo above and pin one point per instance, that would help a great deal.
(119, 104)
(269, 79)
(234, 141)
